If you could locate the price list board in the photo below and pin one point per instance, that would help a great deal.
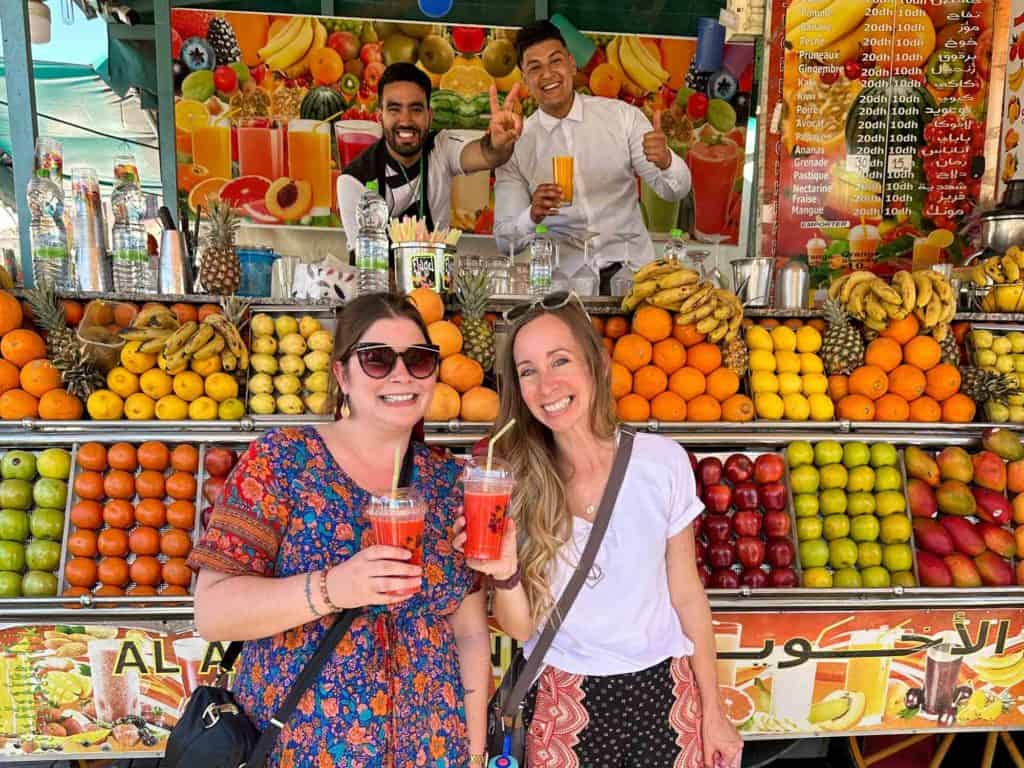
(875, 150)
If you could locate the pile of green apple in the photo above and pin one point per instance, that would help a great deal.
(851, 519)
(33, 495)
(1001, 353)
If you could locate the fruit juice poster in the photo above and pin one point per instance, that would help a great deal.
(251, 90)
(84, 691)
(797, 673)
(1011, 167)
(875, 151)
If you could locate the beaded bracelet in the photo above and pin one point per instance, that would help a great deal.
(325, 595)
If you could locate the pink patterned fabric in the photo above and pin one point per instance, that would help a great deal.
(558, 718)
(684, 716)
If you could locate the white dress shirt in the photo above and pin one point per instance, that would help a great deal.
(605, 137)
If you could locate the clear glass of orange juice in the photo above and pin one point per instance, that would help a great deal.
(561, 172)
(309, 159)
(211, 145)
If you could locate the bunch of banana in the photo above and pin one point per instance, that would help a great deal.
(152, 327)
(715, 312)
(925, 293)
(633, 57)
(290, 50)
(201, 341)
(663, 282)
(997, 270)
(1004, 671)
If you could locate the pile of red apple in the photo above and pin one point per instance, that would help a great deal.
(961, 512)
(217, 464)
(743, 538)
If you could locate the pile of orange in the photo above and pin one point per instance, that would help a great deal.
(30, 387)
(903, 379)
(132, 520)
(670, 373)
(460, 393)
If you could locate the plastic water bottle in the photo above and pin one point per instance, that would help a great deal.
(372, 241)
(541, 253)
(49, 237)
(132, 273)
(675, 246)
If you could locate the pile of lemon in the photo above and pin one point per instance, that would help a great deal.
(787, 377)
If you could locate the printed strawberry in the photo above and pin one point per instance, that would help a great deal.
(190, 23)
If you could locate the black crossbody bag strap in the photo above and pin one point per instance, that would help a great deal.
(572, 589)
(311, 672)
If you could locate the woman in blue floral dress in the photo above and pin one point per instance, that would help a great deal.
(288, 545)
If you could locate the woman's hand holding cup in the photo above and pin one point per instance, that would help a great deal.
(507, 562)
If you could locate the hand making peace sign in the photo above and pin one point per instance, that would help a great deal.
(506, 120)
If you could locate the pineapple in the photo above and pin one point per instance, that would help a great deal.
(220, 271)
(950, 350)
(736, 355)
(474, 291)
(842, 349)
(69, 355)
(987, 386)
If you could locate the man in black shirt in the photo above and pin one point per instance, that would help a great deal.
(414, 165)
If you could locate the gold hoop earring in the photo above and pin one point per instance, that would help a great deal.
(346, 409)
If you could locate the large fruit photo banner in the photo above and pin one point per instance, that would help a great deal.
(269, 110)
(875, 154)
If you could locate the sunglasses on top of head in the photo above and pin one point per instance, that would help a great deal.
(379, 360)
(550, 303)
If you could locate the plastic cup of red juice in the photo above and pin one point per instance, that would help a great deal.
(487, 494)
(397, 521)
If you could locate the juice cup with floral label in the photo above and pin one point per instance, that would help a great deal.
(486, 502)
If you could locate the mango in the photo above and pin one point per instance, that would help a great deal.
(921, 465)
(922, 498)
(994, 570)
(963, 571)
(955, 498)
(997, 539)
(930, 536)
(1004, 443)
(955, 464)
(1018, 509)
(966, 539)
(1015, 476)
(990, 506)
(933, 570)
(989, 471)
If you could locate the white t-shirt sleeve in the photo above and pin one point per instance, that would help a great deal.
(449, 148)
(684, 506)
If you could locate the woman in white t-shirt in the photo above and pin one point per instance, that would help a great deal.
(630, 677)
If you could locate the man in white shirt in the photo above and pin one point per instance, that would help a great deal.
(611, 143)
(398, 161)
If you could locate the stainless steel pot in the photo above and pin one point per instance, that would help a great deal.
(1002, 228)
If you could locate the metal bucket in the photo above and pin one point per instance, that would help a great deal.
(752, 279)
(424, 265)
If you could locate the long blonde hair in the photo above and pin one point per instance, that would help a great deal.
(539, 504)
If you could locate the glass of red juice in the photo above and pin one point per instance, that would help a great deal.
(485, 505)
(397, 521)
(354, 137)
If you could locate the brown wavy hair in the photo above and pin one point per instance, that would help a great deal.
(539, 504)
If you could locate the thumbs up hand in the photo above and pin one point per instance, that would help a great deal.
(656, 145)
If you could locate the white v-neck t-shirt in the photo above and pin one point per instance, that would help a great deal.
(623, 620)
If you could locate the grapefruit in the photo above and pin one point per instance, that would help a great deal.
(738, 706)
(258, 213)
(245, 189)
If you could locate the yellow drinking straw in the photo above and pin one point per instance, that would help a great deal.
(397, 471)
(493, 440)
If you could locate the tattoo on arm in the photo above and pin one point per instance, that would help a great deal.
(309, 595)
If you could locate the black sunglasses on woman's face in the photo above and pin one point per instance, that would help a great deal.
(379, 360)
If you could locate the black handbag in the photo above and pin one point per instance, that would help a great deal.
(506, 727)
(214, 732)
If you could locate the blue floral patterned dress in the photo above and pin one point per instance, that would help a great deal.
(392, 694)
